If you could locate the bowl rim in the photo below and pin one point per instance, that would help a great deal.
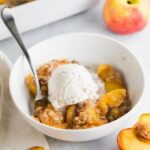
(108, 125)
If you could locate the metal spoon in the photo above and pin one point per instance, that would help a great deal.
(9, 21)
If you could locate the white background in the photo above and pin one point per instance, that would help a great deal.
(90, 21)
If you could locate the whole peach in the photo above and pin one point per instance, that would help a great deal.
(126, 16)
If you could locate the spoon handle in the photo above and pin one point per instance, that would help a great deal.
(11, 25)
(9, 21)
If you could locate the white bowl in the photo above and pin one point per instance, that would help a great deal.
(86, 48)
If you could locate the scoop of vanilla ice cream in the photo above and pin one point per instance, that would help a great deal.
(70, 84)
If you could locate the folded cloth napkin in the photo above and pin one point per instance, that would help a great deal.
(15, 133)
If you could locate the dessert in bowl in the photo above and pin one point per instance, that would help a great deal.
(78, 97)
(76, 108)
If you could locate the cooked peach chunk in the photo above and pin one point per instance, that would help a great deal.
(12, 3)
(111, 100)
(110, 86)
(3, 1)
(71, 111)
(30, 85)
(112, 77)
(103, 71)
(37, 148)
(127, 140)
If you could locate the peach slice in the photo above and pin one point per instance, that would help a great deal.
(110, 86)
(103, 71)
(111, 100)
(127, 140)
(112, 77)
(37, 148)
(3, 1)
(30, 85)
(71, 111)
(137, 137)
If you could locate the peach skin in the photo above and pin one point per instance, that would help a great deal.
(126, 16)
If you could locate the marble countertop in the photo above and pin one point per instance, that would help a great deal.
(90, 21)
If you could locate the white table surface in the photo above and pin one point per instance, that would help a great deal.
(90, 21)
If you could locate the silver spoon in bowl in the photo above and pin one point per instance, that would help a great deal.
(9, 21)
